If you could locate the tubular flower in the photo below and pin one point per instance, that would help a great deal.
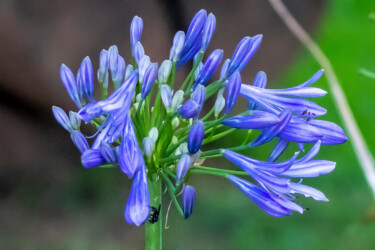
(156, 131)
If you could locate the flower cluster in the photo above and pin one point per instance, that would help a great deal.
(153, 129)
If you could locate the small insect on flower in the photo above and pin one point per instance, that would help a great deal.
(154, 215)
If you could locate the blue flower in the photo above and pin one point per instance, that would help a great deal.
(120, 99)
(188, 200)
(139, 51)
(260, 197)
(209, 67)
(178, 45)
(130, 158)
(164, 71)
(142, 128)
(149, 78)
(62, 118)
(103, 68)
(92, 158)
(233, 89)
(138, 206)
(260, 81)
(195, 137)
(243, 53)
(85, 78)
(80, 141)
(182, 168)
(208, 30)
(136, 28)
(108, 153)
(189, 109)
(70, 84)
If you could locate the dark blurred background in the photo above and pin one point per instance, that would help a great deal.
(47, 200)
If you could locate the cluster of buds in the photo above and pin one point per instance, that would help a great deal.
(152, 128)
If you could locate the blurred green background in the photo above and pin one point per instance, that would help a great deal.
(224, 218)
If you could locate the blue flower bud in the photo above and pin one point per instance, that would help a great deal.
(198, 71)
(166, 96)
(243, 53)
(242, 48)
(70, 84)
(164, 71)
(129, 70)
(188, 200)
(103, 67)
(143, 64)
(139, 51)
(148, 79)
(148, 147)
(136, 28)
(178, 44)
(118, 77)
(79, 140)
(131, 157)
(224, 69)
(182, 168)
(199, 95)
(195, 137)
(92, 158)
(177, 99)
(210, 66)
(254, 44)
(74, 120)
(137, 207)
(189, 109)
(260, 80)
(86, 74)
(107, 153)
(208, 30)
(233, 90)
(188, 53)
(195, 28)
(112, 59)
(62, 118)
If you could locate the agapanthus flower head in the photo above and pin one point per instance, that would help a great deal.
(157, 130)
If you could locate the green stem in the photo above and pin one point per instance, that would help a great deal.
(222, 171)
(154, 230)
(218, 136)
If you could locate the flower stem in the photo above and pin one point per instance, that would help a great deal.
(154, 230)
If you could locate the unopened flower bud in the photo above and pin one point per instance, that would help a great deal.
(164, 71)
(182, 168)
(188, 200)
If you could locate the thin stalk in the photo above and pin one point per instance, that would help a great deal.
(224, 171)
(219, 136)
(154, 230)
(171, 190)
(198, 171)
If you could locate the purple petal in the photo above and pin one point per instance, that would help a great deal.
(138, 205)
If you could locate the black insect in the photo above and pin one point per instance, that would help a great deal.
(154, 215)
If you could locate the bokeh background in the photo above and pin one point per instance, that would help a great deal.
(48, 201)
